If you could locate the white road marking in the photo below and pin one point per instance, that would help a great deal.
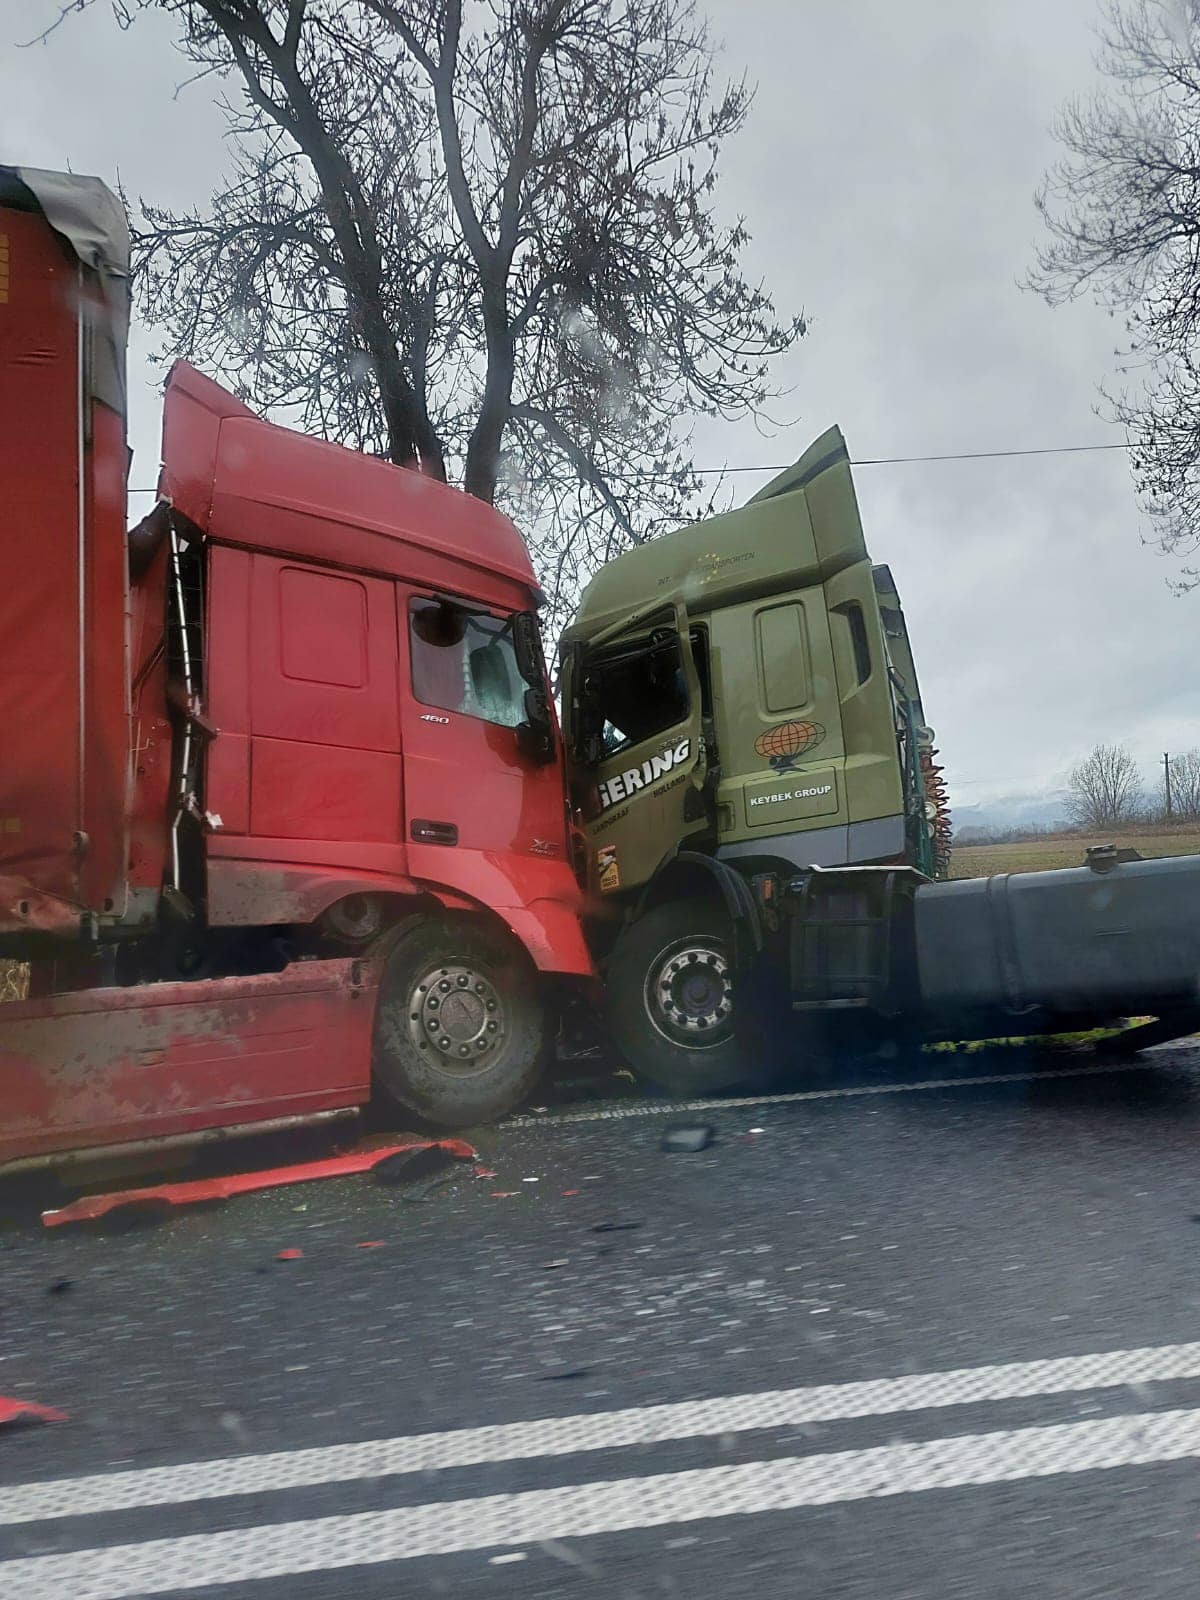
(605, 1430)
(284, 1549)
(671, 1108)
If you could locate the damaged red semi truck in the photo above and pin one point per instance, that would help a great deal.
(281, 803)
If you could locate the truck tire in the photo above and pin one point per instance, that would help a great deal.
(670, 999)
(460, 1031)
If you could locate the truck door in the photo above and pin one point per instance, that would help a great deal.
(469, 783)
(638, 743)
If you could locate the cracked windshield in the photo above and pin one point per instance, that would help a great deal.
(528, 1068)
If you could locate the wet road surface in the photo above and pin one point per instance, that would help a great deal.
(920, 1333)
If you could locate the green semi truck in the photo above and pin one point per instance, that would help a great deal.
(765, 825)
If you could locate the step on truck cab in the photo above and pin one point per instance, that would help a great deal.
(739, 702)
(292, 734)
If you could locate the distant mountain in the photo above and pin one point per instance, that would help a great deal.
(1045, 810)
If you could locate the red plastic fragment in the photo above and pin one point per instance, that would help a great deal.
(11, 1410)
(371, 1244)
(88, 1207)
(567, 1192)
(289, 1255)
(484, 1172)
(505, 1194)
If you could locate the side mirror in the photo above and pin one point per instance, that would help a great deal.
(535, 736)
(527, 647)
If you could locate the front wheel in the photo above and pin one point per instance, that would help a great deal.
(670, 999)
(460, 1031)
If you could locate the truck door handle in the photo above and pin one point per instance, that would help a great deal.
(425, 832)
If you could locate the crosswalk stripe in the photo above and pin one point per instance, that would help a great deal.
(606, 1430)
(286, 1549)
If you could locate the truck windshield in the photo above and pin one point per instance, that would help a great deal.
(632, 693)
(465, 662)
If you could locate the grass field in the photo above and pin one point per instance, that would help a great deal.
(1067, 850)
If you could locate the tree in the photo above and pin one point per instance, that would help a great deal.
(1105, 789)
(1185, 787)
(479, 238)
(1123, 210)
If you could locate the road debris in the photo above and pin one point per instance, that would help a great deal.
(160, 1200)
(614, 1227)
(28, 1411)
(291, 1254)
(687, 1138)
(428, 1159)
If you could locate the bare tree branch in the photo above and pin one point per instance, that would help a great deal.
(1105, 789)
(1123, 212)
(432, 208)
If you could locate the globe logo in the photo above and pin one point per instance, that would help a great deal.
(786, 742)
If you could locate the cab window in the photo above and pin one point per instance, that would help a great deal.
(633, 692)
(464, 661)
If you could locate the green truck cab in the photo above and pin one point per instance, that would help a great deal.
(738, 700)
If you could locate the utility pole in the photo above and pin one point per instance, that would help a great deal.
(1167, 782)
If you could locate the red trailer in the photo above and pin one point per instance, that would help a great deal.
(281, 799)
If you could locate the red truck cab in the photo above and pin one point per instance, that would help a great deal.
(292, 736)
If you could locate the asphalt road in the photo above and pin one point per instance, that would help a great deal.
(891, 1341)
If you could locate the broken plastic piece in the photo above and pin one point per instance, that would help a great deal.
(167, 1195)
(687, 1139)
(371, 1244)
(422, 1161)
(28, 1410)
(291, 1254)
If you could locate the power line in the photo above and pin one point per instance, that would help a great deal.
(892, 461)
(963, 455)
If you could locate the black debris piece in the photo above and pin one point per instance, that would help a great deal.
(413, 1166)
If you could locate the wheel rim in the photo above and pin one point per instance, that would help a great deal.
(689, 993)
(457, 1019)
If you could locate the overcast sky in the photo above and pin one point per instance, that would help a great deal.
(887, 175)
